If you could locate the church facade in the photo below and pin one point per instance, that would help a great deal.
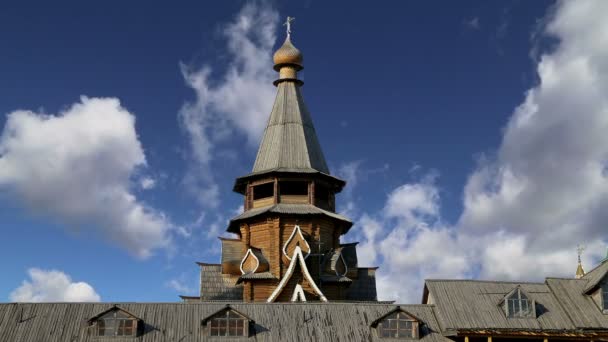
(286, 276)
(288, 237)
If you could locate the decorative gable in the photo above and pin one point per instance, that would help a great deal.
(397, 324)
(297, 259)
(253, 262)
(517, 304)
(227, 322)
(335, 264)
(115, 322)
(296, 239)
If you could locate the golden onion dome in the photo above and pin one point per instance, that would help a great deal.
(288, 54)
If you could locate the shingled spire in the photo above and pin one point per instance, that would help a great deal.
(290, 190)
(290, 142)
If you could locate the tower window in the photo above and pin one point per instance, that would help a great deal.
(398, 325)
(263, 191)
(228, 323)
(518, 305)
(294, 188)
(322, 199)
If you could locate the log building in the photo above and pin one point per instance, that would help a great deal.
(288, 237)
(286, 276)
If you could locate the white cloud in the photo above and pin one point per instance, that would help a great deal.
(147, 183)
(410, 243)
(53, 286)
(179, 286)
(526, 210)
(238, 101)
(75, 167)
(548, 186)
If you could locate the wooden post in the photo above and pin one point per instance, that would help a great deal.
(489, 338)
(545, 340)
(466, 339)
(276, 191)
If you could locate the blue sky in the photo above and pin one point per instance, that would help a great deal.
(455, 125)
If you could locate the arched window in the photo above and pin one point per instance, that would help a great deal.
(114, 322)
(397, 325)
(518, 305)
(228, 323)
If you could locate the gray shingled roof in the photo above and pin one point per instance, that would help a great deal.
(581, 309)
(469, 304)
(261, 275)
(218, 286)
(290, 140)
(596, 275)
(287, 208)
(61, 322)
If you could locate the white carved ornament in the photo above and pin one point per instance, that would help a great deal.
(296, 232)
(297, 257)
(249, 252)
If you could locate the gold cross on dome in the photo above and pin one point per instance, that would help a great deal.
(288, 24)
(579, 250)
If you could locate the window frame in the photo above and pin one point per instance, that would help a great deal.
(604, 296)
(98, 324)
(262, 190)
(225, 316)
(399, 317)
(293, 187)
(513, 307)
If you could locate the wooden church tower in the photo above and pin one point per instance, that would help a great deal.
(288, 246)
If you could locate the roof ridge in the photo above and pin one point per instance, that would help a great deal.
(484, 281)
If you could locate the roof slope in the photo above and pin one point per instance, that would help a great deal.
(290, 141)
(60, 322)
(596, 275)
(467, 304)
(582, 310)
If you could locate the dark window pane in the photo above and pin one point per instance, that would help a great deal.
(263, 191)
(405, 333)
(293, 188)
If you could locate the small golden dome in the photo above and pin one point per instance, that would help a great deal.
(288, 54)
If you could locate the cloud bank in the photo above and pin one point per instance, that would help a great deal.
(76, 167)
(527, 209)
(238, 103)
(53, 286)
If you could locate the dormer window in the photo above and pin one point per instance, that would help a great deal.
(518, 305)
(227, 322)
(114, 322)
(397, 324)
